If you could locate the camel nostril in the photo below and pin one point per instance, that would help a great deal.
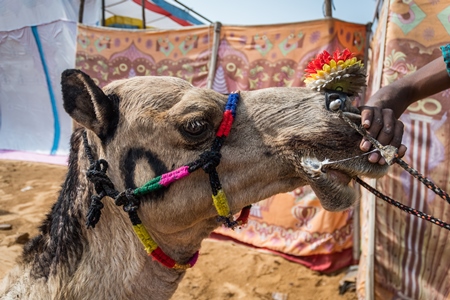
(333, 96)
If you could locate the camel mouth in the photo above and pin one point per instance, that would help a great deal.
(331, 181)
(337, 176)
(339, 171)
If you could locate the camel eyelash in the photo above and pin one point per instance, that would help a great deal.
(195, 128)
(195, 123)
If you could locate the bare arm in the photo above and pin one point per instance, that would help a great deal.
(381, 113)
(428, 80)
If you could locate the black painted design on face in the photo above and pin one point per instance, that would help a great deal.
(113, 119)
(128, 167)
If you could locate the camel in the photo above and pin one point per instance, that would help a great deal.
(134, 130)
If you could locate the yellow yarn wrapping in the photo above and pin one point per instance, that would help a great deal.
(145, 238)
(181, 267)
(221, 204)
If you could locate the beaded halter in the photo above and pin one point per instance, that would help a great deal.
(130, 198)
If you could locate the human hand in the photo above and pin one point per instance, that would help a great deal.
(382, 125)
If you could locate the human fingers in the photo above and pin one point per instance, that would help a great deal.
(366, 120)
(396, 140)
(391, 130)
(390, 134)
(372, 120)
(366, 115)
(401, 151)
(377, 158)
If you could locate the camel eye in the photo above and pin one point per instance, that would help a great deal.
(195, 128)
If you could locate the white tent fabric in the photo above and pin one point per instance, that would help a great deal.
(31, 113)
(18, 14)
(38, 42)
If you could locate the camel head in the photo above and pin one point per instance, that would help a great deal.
(147, 126)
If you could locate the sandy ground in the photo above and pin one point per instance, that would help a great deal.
(225, 270)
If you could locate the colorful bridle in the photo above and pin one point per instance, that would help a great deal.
(130, 198)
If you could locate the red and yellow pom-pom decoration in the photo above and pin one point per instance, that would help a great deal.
(341, 71)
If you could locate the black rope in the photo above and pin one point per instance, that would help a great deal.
(130, 203)
(391, 156)
(94, 211)
(210, 160)
(96, 174)
(427, 182)
(227, 221)
(104, 187)
(214, 182)
(403, 207)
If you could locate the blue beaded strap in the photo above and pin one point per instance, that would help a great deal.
(446, 55)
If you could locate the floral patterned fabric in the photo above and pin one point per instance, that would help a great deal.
(411, 256)
(108, 54)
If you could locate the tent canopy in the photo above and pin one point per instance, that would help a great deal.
(158, 13)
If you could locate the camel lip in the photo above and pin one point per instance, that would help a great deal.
(338, 176)
(339, 172)
(323, 170)
(342, 173)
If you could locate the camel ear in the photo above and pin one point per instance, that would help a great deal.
(86, 103)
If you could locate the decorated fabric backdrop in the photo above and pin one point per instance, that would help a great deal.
(255, 57)
(295, 226)
(412, 256)
(251, 57)
(108, 54)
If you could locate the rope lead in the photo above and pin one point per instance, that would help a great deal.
(390, 155)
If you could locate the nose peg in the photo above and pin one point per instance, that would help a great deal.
(335, 105)
(336, 100)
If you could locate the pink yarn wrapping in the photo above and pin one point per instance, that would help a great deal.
(168, 178)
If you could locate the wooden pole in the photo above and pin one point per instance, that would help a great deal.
(371, 219)
(366, 57)
(81, 12)
(103, 12)
(328, 8)
(143, 14)
(214, 53)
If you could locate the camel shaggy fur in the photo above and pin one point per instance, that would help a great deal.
(147, 126)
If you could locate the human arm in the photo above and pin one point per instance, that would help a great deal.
(380, 115)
